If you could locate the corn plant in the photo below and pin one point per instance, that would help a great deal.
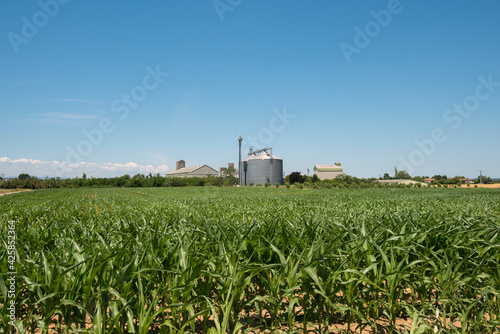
(240, 260)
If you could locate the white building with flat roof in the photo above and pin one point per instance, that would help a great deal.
(329, 172)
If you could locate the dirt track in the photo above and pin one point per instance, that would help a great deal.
(10, 191)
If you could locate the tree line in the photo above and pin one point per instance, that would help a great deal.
(26, 181)
(438, 179)
(295, 179)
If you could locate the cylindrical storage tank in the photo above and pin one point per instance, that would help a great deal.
(262, 168)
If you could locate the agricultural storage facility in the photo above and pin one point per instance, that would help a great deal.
(328, 172)
(230, 167)
(196, 171)
(262, 167)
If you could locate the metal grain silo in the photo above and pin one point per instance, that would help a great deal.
(262, 167)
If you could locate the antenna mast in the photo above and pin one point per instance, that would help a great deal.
(239, 162)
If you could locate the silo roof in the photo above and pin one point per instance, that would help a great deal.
(261, 156)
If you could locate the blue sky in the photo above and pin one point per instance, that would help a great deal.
(369, 84)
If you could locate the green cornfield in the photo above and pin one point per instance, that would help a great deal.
(252, 260)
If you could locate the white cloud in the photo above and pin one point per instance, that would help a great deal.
(20, 83)
(80, 101)
(14, 167)
(69, 115)
(62, 118)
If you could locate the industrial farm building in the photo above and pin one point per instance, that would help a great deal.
(196, 171)
(261, 167)
(329, 172)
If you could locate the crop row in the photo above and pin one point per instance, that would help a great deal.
(215, 260)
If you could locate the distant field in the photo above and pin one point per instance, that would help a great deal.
(487, 186)
(490, 186)
(254, 260)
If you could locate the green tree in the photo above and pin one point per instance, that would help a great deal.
(402, 174)
(440, 177)
(230, 171)
(418, 178)
(486, 179)
(295, 177)
(229, 176)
